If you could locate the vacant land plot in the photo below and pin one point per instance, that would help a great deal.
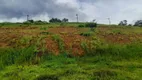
(70, 53)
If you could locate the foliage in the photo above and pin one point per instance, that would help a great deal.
(38, 22)
(108, 62)
(60, 42)
(123, 23)
(27, 22)
(117, 31)
(101, 61)
(16, 56)
(65, 20)
(31, 21)
(55, 20)
(43, 28)
(91, 25)
(81, 26)
(138, 23)
(47, 77)
(86, 33)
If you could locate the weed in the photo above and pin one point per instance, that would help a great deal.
(60, 42)
(17, 56)
(47, 77)
(91, 25)
(117, 31)
(44, 33)
(104, 75)
(81, 26)
(44, 28)
(86, 34)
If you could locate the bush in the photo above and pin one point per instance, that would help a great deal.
(60, 42)
(27, 22)
(91, 25)
(16, 56)
(55, 20)
(86, 34)
(81, 26)
(138, 23)
(47, 77)
(39, 22)
(43, 28)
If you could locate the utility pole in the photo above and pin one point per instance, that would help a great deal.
(27, 17)
(77, 17)
(109, 21)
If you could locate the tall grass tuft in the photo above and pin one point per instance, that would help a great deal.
(60, 42)
(16, 56)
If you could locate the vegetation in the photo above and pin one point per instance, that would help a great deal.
(106, 53)
(138, 23)
(91, 25)
(86, 33)
(81, 26)
(123, 23)
(65, 20)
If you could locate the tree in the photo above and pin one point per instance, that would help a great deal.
(130, 25)
(65, 20)
(54, 20)
(138, 23)
(31, 21)
(123, 23)
(94, 20)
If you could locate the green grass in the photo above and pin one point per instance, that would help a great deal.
(112, 62)
(59, 41)
(102, 61)
(10, 25)
(87, 34)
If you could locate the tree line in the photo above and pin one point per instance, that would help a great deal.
(57, 20)
(52, 20)
(125, 23)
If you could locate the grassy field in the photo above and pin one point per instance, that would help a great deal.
(68, 52)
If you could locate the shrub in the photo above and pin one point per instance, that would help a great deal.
(62, 24)
(123, 23)
(44, 33)
(43, 28)
(91, 25)
(27, 22)
(81, 26)
(55, 20)
(47, 77)
(16, 56)
(59, 41)
(138, 23)
(39, 22)
(86, 34)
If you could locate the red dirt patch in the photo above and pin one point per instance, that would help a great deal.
(52, 46)
(121, 38)
(60, 30)
(73, 43)
(9, 36)
(108, 35)
(71, 38)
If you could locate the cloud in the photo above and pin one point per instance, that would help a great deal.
(116, 10)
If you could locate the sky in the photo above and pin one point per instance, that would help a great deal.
(87, 10)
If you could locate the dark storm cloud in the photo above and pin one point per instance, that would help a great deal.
(16, 10)
(52, 8)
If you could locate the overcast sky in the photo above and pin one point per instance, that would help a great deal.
(116, 10)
